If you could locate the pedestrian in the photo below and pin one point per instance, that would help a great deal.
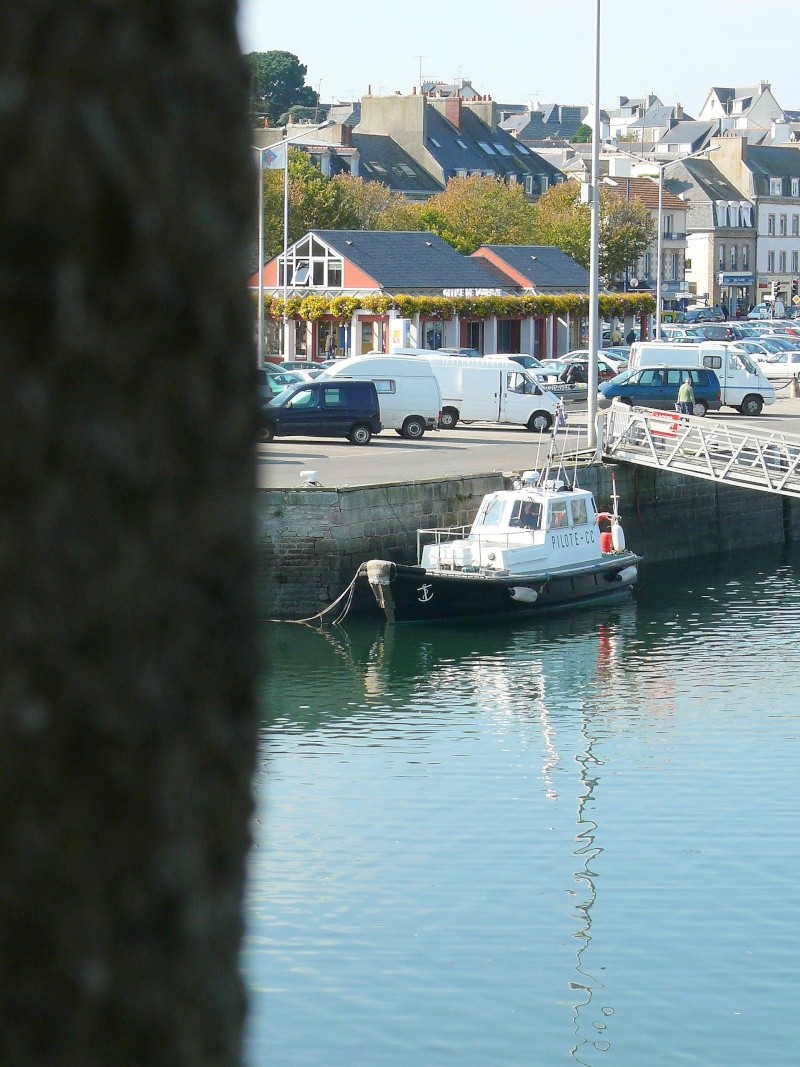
(616, 336)
(329, 345)
(685, 403)
(630, 336)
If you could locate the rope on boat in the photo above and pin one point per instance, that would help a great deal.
(347, 596)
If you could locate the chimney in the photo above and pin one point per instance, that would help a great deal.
(679, 112)
(452, 110)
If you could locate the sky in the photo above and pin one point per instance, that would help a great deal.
(537, 49)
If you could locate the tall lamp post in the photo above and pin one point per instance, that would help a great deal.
(282, 151)
(594, 247)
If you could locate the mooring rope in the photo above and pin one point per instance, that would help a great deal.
(348, 593)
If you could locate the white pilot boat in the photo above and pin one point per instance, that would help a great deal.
(535, 547)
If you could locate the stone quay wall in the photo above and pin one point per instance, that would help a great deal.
(313, 540)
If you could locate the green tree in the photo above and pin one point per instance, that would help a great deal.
(376, 206)
(583, 134)
(277, 82)
(315, 203)
(560, 219)
(626, 227)
(626, 230)
(475, 210)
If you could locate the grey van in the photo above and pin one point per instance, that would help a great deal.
(324, 408)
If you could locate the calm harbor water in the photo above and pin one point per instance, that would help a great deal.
(569, 841)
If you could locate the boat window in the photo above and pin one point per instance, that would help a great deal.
(526, 514)
(493, 513)
(579, 517)
(558, 515)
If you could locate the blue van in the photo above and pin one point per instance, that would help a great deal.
(657, 387)
(324, 408)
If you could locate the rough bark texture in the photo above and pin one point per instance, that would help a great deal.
(127, 730)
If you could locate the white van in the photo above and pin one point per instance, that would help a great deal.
(743, 384)
(408, 392)
(491, 389)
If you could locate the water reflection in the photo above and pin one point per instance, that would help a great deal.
(462, 781)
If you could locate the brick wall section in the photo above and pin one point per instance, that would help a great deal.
(312, 541)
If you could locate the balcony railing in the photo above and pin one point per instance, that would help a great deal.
(673, 236)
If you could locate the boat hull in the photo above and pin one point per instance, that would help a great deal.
(414, 594)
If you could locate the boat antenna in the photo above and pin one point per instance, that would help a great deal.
(551, 451)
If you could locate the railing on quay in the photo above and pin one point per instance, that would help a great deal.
(767, 460)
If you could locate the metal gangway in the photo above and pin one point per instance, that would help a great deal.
(717, 450)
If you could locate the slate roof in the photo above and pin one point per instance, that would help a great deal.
(773, 162)
(694, 133)
(405, 261)
(383, 160)
(547, 269)
(460, 149)
(709, 181)
(547, 122)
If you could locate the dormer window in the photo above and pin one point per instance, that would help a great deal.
(776, 187)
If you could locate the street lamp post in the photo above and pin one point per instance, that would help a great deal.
(594, 247)
(284, 145)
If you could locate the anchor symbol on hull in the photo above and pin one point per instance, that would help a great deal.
(425, 593)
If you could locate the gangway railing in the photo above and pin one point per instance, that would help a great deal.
(717, 450)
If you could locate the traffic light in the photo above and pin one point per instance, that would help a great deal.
(794, 287)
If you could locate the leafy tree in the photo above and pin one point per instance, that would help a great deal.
(561, 220)
(475, 210)
(626, 230)
(376, 206)
(626, 227)
(583, 134)
(315, 203)
(277, 82)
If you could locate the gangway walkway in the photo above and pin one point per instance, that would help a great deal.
(767, 460)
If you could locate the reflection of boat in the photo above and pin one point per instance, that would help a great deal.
(531, 548)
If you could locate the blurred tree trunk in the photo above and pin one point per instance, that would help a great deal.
(127, 724)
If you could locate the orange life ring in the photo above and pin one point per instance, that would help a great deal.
(604, 516)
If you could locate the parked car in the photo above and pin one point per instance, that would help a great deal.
(782, 367)
(324, 408)
(657, 387)
(298, 364)
(528, 362)
(271, 383)
(575, 370)
(760, 311)
(704, 314)
(766, 347)
(473, 352)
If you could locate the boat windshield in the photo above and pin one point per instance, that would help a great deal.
(526, 514)
(492, 514)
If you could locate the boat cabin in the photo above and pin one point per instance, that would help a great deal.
(518, 530)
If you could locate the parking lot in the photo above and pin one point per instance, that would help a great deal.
(481, 448)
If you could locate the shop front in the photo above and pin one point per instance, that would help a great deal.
(736, 292)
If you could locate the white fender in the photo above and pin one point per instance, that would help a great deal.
(617, 537)
(523, 593)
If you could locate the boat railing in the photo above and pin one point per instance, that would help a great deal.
(489, 539)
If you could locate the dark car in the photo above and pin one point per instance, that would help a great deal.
(324, 408)
(657, 387)
(713, 314)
